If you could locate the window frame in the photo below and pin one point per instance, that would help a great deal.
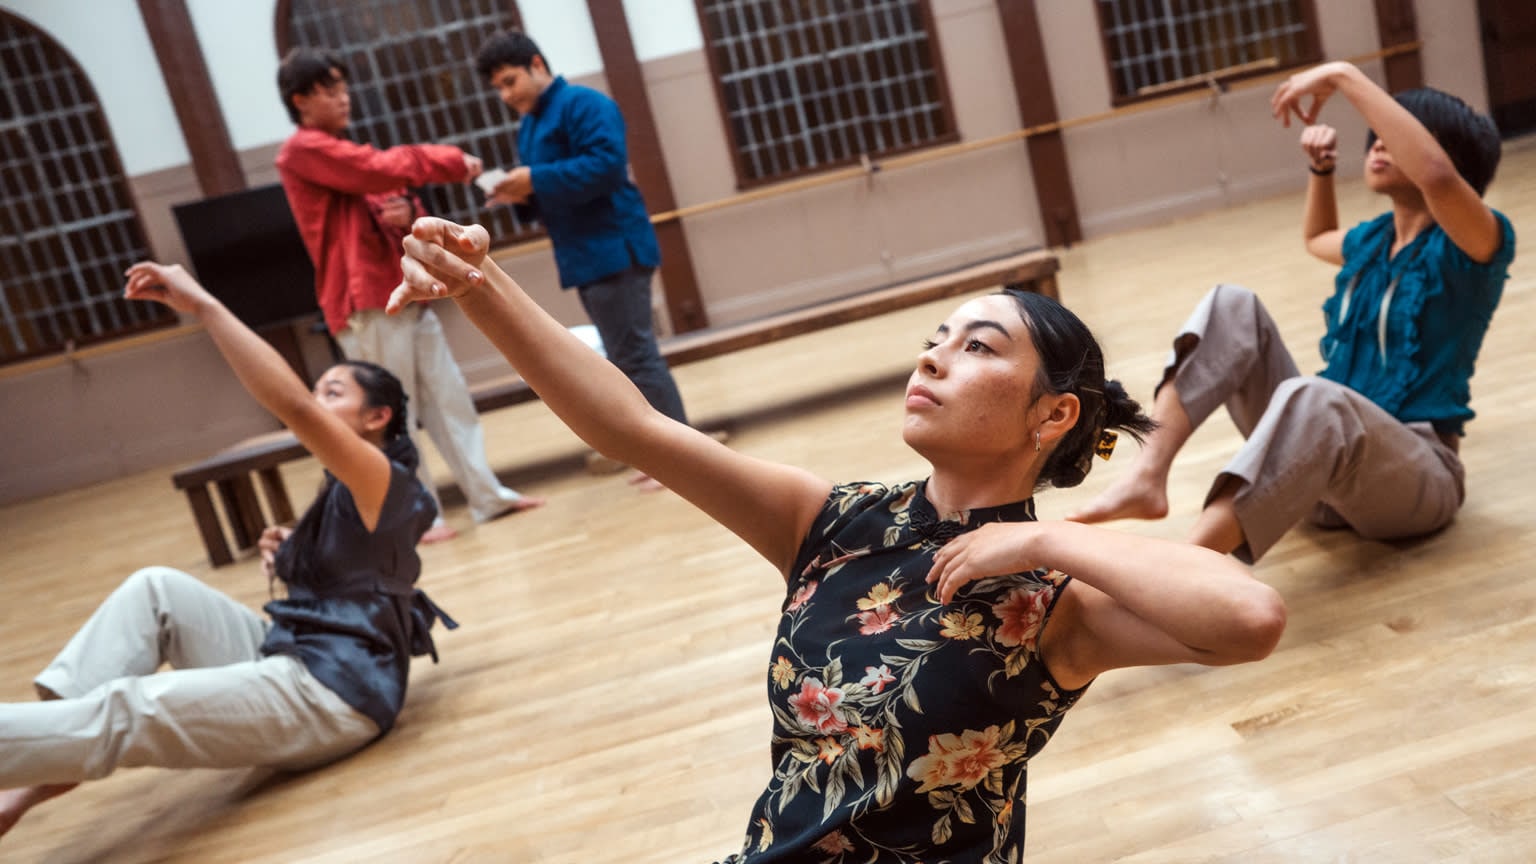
(1311, 54)
(148, 317)
(739, 161)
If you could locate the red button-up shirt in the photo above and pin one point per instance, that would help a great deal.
(329, 181)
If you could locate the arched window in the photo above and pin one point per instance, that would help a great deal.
(68, 225)
(412, 79)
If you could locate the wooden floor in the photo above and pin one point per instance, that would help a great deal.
(603, 702)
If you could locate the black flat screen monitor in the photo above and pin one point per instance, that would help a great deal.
(245, 248)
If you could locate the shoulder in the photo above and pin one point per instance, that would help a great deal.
(580, 99)
(1454, 260)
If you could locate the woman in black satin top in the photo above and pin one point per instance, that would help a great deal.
(326, 676)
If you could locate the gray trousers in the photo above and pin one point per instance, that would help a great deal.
(620, 308)
(222, 705)
(1315, 449)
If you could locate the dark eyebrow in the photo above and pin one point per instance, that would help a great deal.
(979, 324)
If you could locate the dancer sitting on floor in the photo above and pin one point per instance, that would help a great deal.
(931, 640)
(325, 677)
(1371, 442)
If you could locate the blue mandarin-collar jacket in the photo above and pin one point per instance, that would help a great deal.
(573, 143)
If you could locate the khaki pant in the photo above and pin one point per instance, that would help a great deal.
(223, 705)
(1316, 449)
(413, 347)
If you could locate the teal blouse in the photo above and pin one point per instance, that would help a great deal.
(1404, 330)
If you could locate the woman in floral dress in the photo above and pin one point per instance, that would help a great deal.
(931, 637)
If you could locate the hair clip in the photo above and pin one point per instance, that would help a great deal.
(1106, 443)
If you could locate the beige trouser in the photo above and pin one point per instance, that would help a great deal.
(223, 705)
(413, 347)
(1316, 449)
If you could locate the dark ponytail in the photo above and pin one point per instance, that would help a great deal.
(381, 389)
(1072, 362)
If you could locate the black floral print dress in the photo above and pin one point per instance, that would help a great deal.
(902, 727)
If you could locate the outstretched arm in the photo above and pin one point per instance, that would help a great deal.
(1133, 601)
(266, 376)
(768, 505)
(361, 169)
(1455, 205)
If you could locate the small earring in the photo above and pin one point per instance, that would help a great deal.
(1037, 441)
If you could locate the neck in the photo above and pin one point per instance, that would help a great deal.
(1409, 218)
(951, 489)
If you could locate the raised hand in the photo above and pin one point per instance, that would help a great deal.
(171, 285)
(1316, 83)
(442, 259)
(996, 549)
(1321, 144)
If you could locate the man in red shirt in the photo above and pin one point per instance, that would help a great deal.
(352, 209)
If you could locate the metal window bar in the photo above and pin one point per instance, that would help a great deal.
(70, 226)
(1154, 43)
(413, 81)
(806, 85)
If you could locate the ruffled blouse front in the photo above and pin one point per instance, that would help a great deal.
(1404, 330)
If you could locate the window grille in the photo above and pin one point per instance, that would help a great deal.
(412, 79)
(1157, 46)
(807, 85)
(68, 226)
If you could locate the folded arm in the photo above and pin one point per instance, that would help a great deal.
(599, 163)
(1133, 600)
(1455, 205)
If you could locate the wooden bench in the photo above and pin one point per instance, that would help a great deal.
(230, 472)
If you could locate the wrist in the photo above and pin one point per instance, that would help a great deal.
(1323, 170)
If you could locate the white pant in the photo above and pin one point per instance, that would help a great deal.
(223, 705)
(413, 347)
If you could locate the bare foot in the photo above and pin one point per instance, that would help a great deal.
(14, 803)
(523, 502)
(1130, 497)
(439, 532)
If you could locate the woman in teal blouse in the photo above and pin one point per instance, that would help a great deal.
(1371, 442)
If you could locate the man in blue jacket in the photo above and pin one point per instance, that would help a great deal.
(575, 180)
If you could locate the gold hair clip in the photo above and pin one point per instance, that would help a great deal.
(1106, 443)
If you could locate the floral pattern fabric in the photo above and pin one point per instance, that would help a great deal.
(902, 727)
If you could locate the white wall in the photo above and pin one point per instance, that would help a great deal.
(107, 38)
(239, 44)
(661, 28)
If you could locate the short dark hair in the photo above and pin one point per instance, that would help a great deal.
(1469, 137)
(302, 69)
(1072, 362)
(507, 48)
